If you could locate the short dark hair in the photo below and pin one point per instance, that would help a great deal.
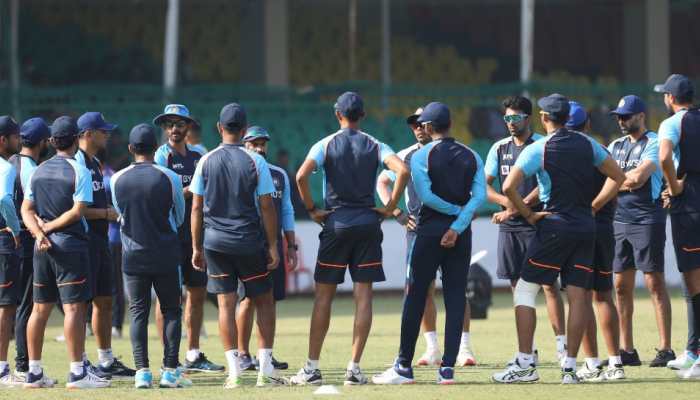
(441, 128)
(143, 149)
(63, 142)
(558, 119)
(519, 103)
(685, 99)
(233, 129)
(579, 128)
(28, 144)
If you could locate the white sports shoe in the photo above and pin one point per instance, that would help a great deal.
(514, 373)
(430, 358)
(11, 380)
(684, 361)
(392, 377)
(569, 377)
(273, 379)
(466, 358)
(306, 377)
(614, 373)
(691, 373)
(38, 381)
(87, 381)
(586, 374)
(355, 377)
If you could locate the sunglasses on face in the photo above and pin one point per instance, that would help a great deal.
(624, 117)
(514, 118)
(177, 124)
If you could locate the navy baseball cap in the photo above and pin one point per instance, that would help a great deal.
(34, 130)
(435, 113)
(577, 115)
(350, 104)
(629, 105)
(143, 135)
(677, 85)
(412, 119)
(8, 125)
(64, 126)
(556, 105)
(256, 132)
(93, 120)
(233, 116)
(173, 110)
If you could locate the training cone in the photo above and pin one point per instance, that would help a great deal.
(327, 389)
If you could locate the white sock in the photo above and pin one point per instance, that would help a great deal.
(465, 340)
(592, 362)
(4, 365)
(431, 340)
(353, 366)
(525, 360)
(614, 360)
(77, 368)
(35, 367)
(561, 342)
(311, 365)
(265, 360)
(105, 357)
(192, 355)
(234, 366)
(569, 363)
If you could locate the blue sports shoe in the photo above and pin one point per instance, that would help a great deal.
(173, 378)
(143, 379)
(446, 376)
(202, 364)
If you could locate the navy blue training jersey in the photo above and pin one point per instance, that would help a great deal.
(413, 204)
(24, 167)
(501, 158)
(54, 187)
(683, 130)
(97, 227)
(151, 206)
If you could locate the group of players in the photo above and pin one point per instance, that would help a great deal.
(573, 212)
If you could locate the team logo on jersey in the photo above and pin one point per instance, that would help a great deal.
(507, 157)
(173, 109)
(505, 170)
(178, 166)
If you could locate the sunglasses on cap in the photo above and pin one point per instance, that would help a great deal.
(514, 118)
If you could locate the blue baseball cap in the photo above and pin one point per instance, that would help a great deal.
(93, 120)
(8, 126)
(629, 105)
(350, 104)
(677, 85)
(64, 126)
(256, 132)
(34, 130)
(233, 116)
(143, 135)
(577, 115)
(435, 113)
(555, 105)
(173, 110)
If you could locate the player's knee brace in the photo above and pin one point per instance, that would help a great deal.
(525, 293)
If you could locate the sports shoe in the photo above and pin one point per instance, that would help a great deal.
(446, 376)
(630, 358)
(691, 373)
(466, 358)
(684, 361)
(396, 375)
(281, 365)
(233, 382)
(174, 378)
(305, 377)
(587, 374)
(514, 373)
(202, 364)
(535, 359)
(662, 358)
(118, 370)
(10, 380)
(143, 379)
(96, 371)
(614, 373)
(87, 380)
(270, 380)
(354, 377)
(246, 362)
(568, 376)
(430, 357)
(38, 381)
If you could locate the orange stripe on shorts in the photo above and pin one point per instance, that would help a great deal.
(536, 264)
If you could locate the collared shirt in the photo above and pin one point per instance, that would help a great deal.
(282, 198)
(683, 130)
(24, 167)
(97, 227)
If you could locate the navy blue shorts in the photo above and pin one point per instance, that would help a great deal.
(279, 279)
(603, 258)
(190, 276)
(639, 246)
(357, 248)
(554, 253)
(10, 283)
(512, 249)
(61, 274)
(101, 269)
(686, 240)
(225, 269)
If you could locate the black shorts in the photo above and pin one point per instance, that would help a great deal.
(10, 283)
(512, 249)
(64, 275)
(552, 253)
(357, 248)
(686, 240)
(603, 258)
(190, 276)
(279, 279)
(101, 269)
(225, 270)
(639, 246)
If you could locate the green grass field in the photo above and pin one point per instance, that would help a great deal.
(493, 342)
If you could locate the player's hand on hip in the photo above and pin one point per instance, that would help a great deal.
(199, 263)
(449, 239)
(273, 258)
(384, 212)
(535, 217)
(319, 216)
